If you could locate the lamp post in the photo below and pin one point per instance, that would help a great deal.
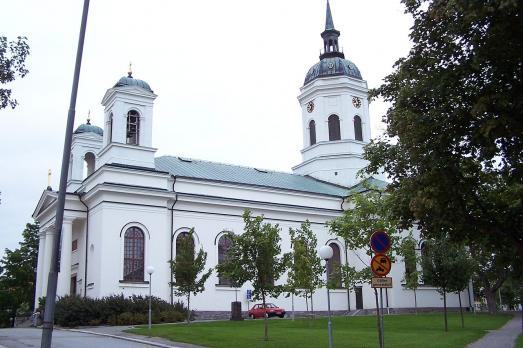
(326, 253)
(150, 271)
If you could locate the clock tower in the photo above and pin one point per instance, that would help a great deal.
(335, 115)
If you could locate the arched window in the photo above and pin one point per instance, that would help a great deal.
(184, 251)
(88, 164)
(312, 132)
(334, 128)
(358, 134)
(133, 127)
(110, 128)
(334, 266)
(134, 245)
(224, 243)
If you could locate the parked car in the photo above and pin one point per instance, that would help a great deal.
(270, 310)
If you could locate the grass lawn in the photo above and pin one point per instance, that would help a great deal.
(424, 330)
(519, 342)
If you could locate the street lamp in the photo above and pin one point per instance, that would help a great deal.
(326, 253)
(150, 271)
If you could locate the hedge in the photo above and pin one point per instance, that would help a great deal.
(74, 311)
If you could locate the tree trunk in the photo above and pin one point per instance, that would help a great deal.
(445, 309)
(415, 302)
(461, 310)
(265, 319)
(312, 306)
(189, 308)
(490, 294)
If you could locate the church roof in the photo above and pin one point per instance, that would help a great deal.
(213, 171)
(89, 128)
(129, 80)
(368, 184)
(332, 66)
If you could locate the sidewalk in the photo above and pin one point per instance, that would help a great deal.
(502, 338)
(118, 332)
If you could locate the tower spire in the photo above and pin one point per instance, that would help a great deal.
(330, 37)
(329, 23)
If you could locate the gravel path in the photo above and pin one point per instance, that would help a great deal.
(502, 338)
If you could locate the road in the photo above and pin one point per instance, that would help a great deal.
(30, 337)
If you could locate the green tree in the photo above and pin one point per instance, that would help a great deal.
(305, 269)
(12, 63)
(453, 147)
(368, 212)
(18, 273)
(447, 266)
(411, 260)
(186, 268)
(254, 256)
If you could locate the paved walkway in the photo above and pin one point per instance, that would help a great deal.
(502, 338)
(118, 332)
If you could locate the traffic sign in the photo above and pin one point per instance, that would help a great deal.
(380, 265)
(380, 242)
(381, 282)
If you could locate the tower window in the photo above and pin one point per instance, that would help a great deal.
(312, 132)
(89, 161)
(334, 128)
(358, 133)
(133, 127)
(110, 128)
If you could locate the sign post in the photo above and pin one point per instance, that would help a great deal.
(380, 265)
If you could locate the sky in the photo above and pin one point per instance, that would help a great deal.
(227, 75)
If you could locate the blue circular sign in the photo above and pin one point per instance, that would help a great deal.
(380, 242)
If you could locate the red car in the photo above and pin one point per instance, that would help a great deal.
(270, 310)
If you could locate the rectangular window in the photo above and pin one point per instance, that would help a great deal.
(74, 245)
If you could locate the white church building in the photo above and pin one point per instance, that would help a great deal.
(127, 210)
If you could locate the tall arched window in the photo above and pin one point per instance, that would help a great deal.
(334, 127)
(358, 134)
(334, 266)
(312, 132)
(133, 266)
(110, 128)
(224, 243)
(133, 127)
(184, 251)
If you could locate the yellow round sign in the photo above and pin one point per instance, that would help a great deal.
(380, 265)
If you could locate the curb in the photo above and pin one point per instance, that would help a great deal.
(151, 343)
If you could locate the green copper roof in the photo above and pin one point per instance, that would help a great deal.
(369, 184)
(213, 171)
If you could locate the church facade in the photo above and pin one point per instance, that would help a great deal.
(125, 208)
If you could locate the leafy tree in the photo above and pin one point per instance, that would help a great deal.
(186, 268)
(254, 256)
(446, 265)
(305, 273)
(12, 63)
(368, 212)
(18, 272)
(411, 259)
(491, 269)
(453, 147)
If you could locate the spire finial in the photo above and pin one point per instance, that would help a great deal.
(49, 179)
(130, 72)
(329, 24)
(89, 117)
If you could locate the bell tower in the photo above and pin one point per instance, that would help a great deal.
(335, 114)
(128, 118)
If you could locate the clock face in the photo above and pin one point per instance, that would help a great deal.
(356, 102)
(310, 106)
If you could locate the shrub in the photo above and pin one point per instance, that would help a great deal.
(74, 311)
